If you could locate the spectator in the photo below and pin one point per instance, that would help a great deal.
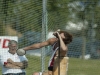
(12, 64)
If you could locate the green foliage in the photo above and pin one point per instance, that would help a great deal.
(57, 14)
(26, 15)
(2, 29)
(91, 15)
(23, 16)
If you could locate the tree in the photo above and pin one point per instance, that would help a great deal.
(57, 14)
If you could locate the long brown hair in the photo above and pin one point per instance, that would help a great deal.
(68, 37)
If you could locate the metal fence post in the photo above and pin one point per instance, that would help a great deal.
(44, 33)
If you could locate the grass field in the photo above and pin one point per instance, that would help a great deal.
(76, 66)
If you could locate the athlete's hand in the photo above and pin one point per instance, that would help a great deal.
(21, 52)
(56, 33)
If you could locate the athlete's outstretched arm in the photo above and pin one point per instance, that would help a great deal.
(37, 45)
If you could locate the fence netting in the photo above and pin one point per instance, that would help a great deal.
(34, 21)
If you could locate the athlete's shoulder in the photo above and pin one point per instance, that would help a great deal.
(52, 40)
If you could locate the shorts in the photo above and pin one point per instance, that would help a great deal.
(50, 68)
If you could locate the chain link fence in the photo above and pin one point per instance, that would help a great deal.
(34, 21)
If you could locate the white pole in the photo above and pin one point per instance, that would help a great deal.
(44, 32)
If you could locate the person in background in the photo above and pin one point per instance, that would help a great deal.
(58, 43)
(12, 64)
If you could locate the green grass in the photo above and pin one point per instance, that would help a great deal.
(76, 66)
(83, 67)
